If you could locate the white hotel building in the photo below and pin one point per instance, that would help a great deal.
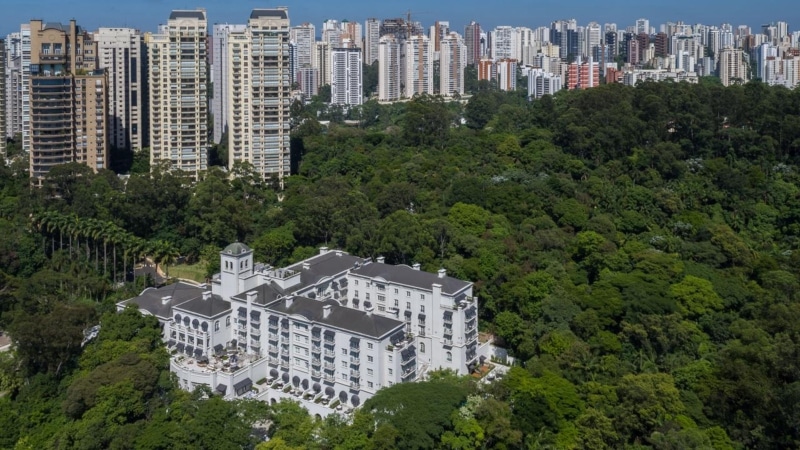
(333, 329)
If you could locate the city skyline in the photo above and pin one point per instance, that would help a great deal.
(148, 14)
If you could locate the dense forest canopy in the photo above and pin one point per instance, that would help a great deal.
(636, 249)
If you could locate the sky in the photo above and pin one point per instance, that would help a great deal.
(147, 14)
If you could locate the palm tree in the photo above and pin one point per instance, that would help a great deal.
(116, 235)
(137, 247)
(72, 229)
(163, 252)
(105, 234)
(62, 223)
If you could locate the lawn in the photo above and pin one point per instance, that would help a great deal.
(196, 272)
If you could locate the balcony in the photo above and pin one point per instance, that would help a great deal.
(355, 361)
(316, 373)
(448, 342)
(255, 332)
(355, 386)
(285, 363)
(354, 350)
(330, 354)
(316, 362)
(329, 341)
(355, 373)
(329, 366)
(448, 320)
(284, 351)
(409, 374)
(328, 377)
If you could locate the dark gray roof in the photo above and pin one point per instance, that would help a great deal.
(277, 13)
(322, 266)
(151, 301)
(212, 307)
(348, 319)
(267, 293)
(405, 275)
(237, 248)
(187, 14)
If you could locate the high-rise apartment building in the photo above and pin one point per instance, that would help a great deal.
(13, 81)
(502, 43)
(303, 37)
(593, 39)
(472, 39)
(308, 80)
(120, 52)
(322, 62)
(439, 30)
(541, 83)
(507, 74)
(642, 26)
(372, 37)
(389, 87)
(260, 94)
(347, 87)
(68, 99)
(452, 61)
(178, 82)
(583, 75)
(419, 66)
(3, 131)
(219, 75)
(486, 69)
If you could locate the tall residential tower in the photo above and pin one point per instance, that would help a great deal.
(178, 82)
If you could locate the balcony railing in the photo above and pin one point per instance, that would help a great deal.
(355, 386)
(355, 361)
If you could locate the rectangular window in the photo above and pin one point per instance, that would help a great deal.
(408, 293)
(391, 372)
(369, 372)
(396, 291)
(344, 351)
(422, 308)
(344, 364)
(369, 384)
(369, 358)
(390, 358)
(369, 345)
(408, 305)
(422, 296)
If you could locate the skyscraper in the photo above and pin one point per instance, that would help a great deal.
(372, 37)
(732, 68)
(120, 52)
(259, 130)
(322, 62)
(642, 26)
(303, 37)
(419, 66)
(389, 68)
(452, 60)
(507, 74)
(178, 103)
(219, 68)
(68, 99)
(472, 39)
(346, 76)
(3, 131)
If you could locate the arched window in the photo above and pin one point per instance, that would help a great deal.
(422, 347)
(449, 356)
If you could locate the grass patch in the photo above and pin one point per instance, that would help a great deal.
(196, 272)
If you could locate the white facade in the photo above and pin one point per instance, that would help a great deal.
(303, 37)
(120, 52)
(389, 69)
(322, 62)
(452, 61)
(13, 82)
(503, 43)
(418, 66)
(178, 100)
(259, 84)
(347, 86)
(219, 69)
(331, 328)
(541, 83)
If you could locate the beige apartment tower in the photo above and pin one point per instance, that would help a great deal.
(68, 99)
(732, 68)
(178, 100)
(120, 53)
(259, 94)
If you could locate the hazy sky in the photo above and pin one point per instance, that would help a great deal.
(147, 14)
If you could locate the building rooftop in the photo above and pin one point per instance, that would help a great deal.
(313, 269)
(187, 14)
(405, 275)
(237, 248)
(353, 320)
(276, 13)
(152, 299)
(209, 307)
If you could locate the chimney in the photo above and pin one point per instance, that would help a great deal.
(206, 295)
(306, 266)
(381, 259)
(368, 308)
(338, 253)
(289, 299)
(166, 299)
(326, 311)
(251, 296)
(416, 266)
(442, 273)
(323, 250)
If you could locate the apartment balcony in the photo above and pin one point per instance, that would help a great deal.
(329, 341)
(448, 320)
(272, 337)
(329, 377)
(355, 373)
(316, 351)
(355, 361)
(354, 350)
(355, 386)
(329, 354)
(409, 374)
(448, 332)
(316, 373)
(329, 366)
(316, 362)
(284, 351)
(255, 320)
(255, 332)
(285, 363)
